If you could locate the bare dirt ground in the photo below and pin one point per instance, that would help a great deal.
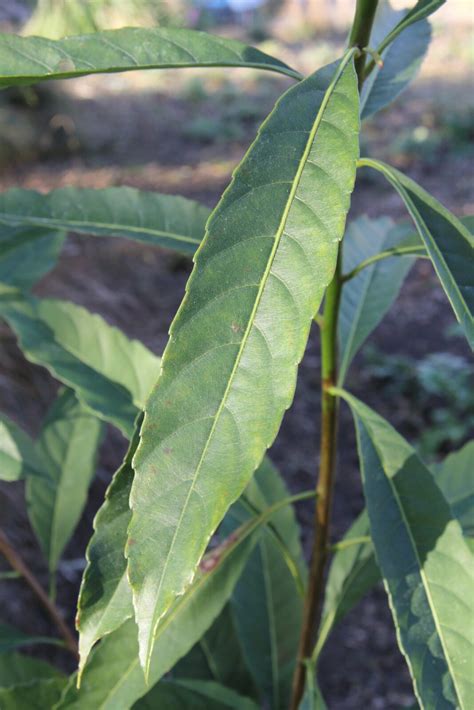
(182, 134)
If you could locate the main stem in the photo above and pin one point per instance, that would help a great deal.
(359, 37)
(15, 561)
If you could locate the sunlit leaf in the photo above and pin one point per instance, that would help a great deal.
(455, 478)
(18, 457)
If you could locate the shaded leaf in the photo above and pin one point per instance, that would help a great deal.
(454, 477)
(447, 241)
(109, 372)
(37, 694)
(199, 695)
(312, 698)
(26, 60)
(11, 638)
(16, 669)
(27, 253)
(230, 366)
(401, 60)
(68, 445)
(18, 457)
(421, 10)
(426, 565)
(367, 297)
(161, 220)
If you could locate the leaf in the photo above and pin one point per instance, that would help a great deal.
(230, 367)
(454, 477)
(312, 698)
(27, 253)
(160, 220)
(35, 695)
(195, 694)
(11, 638)
(401, 59)
(447, 241)
(367, 297)
(105, 597)
(26, 60)
(218, 656)
(68, 445)
(353, 572)
(16, 669)
(426, 565)
(17, 453)
(267, 601)
(110, 373)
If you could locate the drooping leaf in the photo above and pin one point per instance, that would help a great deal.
(160, 220)
(426, 565)
(16, 669)
(367, 297)
(229, 373)
(401, 60)
(196, 694)
(68, 445)
(105, 597)
(110, 373)
(11, 639)
(18, 457)
(37, 694)
(454, 477)
(353, 572)
(27, 60)
(267, 601)
(218, 657)
(447, 241)
(27, 253)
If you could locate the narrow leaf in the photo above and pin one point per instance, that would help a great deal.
(11, 639)
(35, 695)
(421, 10)
(427, 567)
(18, 457)
(454, 477)
(195, 694)
(110, 373)
(367, 297)
(401, 60)
(447, 241)
(160, 220)
(26, 60)
(229, 372)
(68, 446)
(27, 253)
(105, 598)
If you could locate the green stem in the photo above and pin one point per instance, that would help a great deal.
(360, 33)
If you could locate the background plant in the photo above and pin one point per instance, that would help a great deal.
(227, 376)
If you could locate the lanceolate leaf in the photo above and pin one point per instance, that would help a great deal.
(421, 10)
(267, 600)
(195, 694)
(161, 220)
(401, 60)
(447, 241)
(27, 253)
(110, 373)
(367, 297)
(105, 598)
(454, 477)
(427, 567)
(68, 446)
(230, 366)
(18, 457)
(26, 60)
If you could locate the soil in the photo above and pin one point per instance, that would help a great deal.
(108, 131)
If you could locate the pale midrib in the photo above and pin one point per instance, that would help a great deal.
(70, 224)
(279, 234)
(271, 626)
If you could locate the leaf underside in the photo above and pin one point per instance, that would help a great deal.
(230, 365)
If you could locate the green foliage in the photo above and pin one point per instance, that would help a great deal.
(195, 571)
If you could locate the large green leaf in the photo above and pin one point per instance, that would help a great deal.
(353, 572)
(26, 60)
(161, 220)
(110, 373)
(230, 367)
(39, 694)
(27, 253)
(401, 60)
(426, 565)
(18, 457)
(11, 639)
(105, 598)
(16, 669)
(454, 477)
(68, 445)
(367, 297)
(195, 694)
(447, 241)
(267, 601)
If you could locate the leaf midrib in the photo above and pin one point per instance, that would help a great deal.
(311, 137)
